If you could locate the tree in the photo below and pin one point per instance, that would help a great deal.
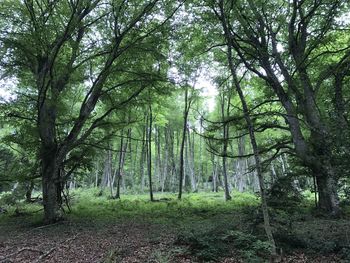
(54, 46)
(149, 150)
(225, 101)
(283, 43)
(188, 102)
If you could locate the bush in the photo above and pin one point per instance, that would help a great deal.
(212, 245)
(284, 193)
(251, 248)
(205, 246)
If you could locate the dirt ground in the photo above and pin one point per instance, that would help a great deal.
(67, 242)
(120, 242)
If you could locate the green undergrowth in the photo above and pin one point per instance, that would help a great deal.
(203, 225)
(87, 204)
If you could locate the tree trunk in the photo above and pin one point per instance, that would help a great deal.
(201, 168)
(327, 192)
(149, 154)
(241, 163)
(214, 174)
(325, 176)
(122, 153)
(133, 162)
(96, 173)
(190, 162)
(118, 173)
(166, 169)
(110, 176)
(225, 112)
(250, 126)
(159, 160)
(186, 169)
(51, 187)
(182, 147)
(173, 170)
(258, 167)
(50, 161)
(29, 191)
(143, 153)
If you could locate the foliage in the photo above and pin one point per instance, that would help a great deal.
(206, 246)
(285, 192)
(252, 249)
(7, 198)
(13, 197)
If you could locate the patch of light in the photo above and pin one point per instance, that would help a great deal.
(280, 48)
(174, 75)
(7, 87)
(208, 90)
(344, 19)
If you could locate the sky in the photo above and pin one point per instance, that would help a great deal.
(5, 89)
(209, 91)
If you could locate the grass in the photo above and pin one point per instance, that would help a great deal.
(87, 206)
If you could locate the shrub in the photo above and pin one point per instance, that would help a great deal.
(205, 246)
(251, 248)
(284, 193)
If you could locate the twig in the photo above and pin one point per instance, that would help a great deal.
(44, 226)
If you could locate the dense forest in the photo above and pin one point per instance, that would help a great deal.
(195, 131)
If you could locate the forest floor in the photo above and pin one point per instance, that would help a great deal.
(200, 228)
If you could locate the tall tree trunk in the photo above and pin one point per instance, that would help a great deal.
(111, 177)
(190, 162)
(50, 160)
(173, 169)
(182, 147)
(241, 163)
(258, 167)
(133, 162)
(166, 168)
(29, 191)
(186, 168)
(50, 163)
(327, 191)
(225, 112)
(214, 173)
(250, 126)
(149, 153)
(274, 175)
(51, 186)
(158, 162)
(119, 174)
(144, 148)
(96, 173)
(201, 168)
(105, 178)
